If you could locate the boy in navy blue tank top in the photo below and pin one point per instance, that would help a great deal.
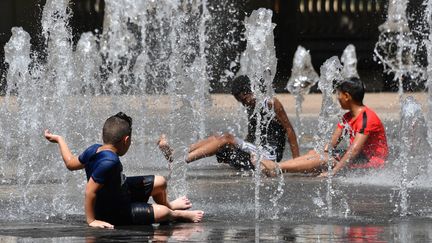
(111, 197)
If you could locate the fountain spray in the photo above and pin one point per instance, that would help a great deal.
(71, 92)
(428, 42)
(330, 72)
(396, 46)
(349, 60)
(396, 50)
(259, 62)
(303, 77)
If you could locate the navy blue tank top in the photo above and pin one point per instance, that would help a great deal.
(105, 168)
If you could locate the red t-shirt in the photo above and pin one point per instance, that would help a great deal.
(368, 123)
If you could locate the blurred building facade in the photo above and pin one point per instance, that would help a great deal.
(325, 27)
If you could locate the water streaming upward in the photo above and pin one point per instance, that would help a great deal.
(259, 62)
(58, 37)
(396, 47)
(145, 47)
(120, 46)
(187, 87)
(396, 17)
(87, 62)
(17, 56)
(303, 77)
(330, 73)
(349, 60)
(428, 44)
(414, 148)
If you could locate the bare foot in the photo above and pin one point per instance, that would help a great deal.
(270, 168)
(181, 203)
(165, 148)
(191, 216)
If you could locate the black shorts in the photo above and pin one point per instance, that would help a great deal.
(139, 187)
(235, 157)
(139, 190)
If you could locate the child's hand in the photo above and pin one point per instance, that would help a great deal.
(324, 174)
(51, 137)
(101, 224)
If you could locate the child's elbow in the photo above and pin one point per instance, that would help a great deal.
(70, 168)
(73, 165)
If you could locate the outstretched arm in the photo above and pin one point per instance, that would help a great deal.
(353, 150)
(283, 119)
(71, 161)
(334, 139)
(89, 203)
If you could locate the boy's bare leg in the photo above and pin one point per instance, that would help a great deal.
(163, 213)
(160, 196)
(200, 143)
(204, 148)
(307, 163)
(210, 147)
(167, 151)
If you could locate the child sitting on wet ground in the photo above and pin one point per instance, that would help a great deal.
(368, 143)
(237, 152)
(111, 198)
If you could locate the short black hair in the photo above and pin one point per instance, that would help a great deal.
(116, 127)
(241, 84)
(352, 86)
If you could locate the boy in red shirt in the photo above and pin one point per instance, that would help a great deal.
(368, 144)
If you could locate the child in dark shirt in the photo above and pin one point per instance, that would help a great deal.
(236, 151)
(110, 196)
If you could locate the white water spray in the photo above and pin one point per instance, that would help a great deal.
(303, 77)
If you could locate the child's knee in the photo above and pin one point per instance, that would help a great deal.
(161, 213)
(228, 138)
(160, 182)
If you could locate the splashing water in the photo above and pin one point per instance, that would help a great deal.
(303, 77)
(330, 73)
(188, 66)
(87, 62)
(413, 148)
(17, 55)
(396, 47)
(428, 44)
(72, 92)
(349, 60)
(259, 62)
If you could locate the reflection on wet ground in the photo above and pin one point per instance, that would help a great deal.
(215, 231)
(358, 213)
(361, 207)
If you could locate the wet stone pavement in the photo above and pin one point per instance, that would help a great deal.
(356, 213)
(357, 207)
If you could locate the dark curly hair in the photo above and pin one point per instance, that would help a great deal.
(116, 127)
(352, 86)
(241, 84)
